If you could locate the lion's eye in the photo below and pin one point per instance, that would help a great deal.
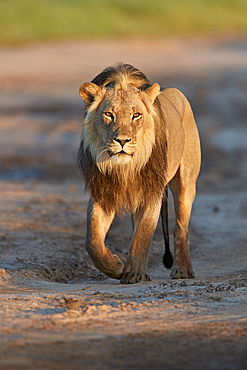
(136, 115)
(108, 114)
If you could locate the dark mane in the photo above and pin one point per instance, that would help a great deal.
(122, 72)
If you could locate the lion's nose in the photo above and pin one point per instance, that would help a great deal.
(122, 142)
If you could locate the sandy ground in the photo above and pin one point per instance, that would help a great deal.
(56, 310)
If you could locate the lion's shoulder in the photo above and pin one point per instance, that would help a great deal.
(171, 98)
(174, 96)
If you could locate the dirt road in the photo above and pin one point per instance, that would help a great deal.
(56, 310)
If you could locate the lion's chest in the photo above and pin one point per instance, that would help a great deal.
(127, 193)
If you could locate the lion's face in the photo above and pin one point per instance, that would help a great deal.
(119, 125)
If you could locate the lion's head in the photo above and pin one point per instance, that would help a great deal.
(118, 129)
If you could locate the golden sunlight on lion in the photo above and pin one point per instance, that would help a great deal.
(136, 140)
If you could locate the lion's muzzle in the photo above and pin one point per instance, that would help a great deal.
(121, 150)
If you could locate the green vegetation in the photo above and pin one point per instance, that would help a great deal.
(23, 21)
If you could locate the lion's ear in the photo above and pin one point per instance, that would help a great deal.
(88, 91)
(153, 92)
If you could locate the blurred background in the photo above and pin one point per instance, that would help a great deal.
(25, 21)
(48, 48)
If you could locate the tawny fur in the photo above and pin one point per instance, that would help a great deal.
(136, 140)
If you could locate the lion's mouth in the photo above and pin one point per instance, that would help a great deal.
(120, 157)
(120, 153)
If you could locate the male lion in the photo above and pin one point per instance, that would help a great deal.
(136, 140)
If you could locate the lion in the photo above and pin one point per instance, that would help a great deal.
(137, 140)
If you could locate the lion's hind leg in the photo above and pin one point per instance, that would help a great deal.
(184, 193)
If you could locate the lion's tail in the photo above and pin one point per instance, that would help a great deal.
(167, 258)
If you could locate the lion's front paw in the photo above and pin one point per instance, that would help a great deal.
(182, 272)
(133, 277)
